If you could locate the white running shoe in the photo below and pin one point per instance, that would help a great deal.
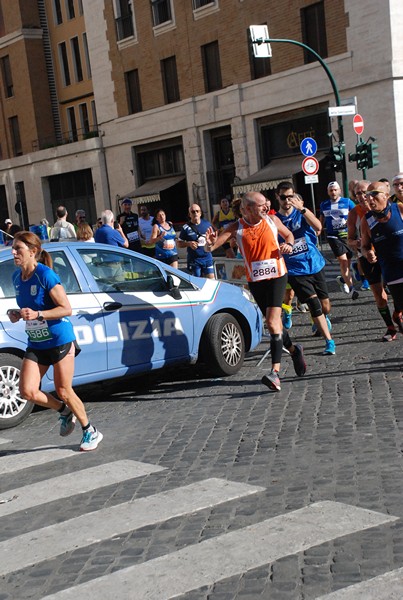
(91, 438)
(342, 284)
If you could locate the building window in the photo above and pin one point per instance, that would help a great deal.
(70, 9)
(161, 162)
(87, 56)
(211, 67)
(161, 11)
(200, 3)
(170, 80)
(314, 31)
(7, 77)
(84, 120)
(259, 67)
(15, 136)
(57, 12)
(64, 63)
(71, 118)
(94, 115)
(80, 7)
(124, 19)
(75, 51)
(133, 91)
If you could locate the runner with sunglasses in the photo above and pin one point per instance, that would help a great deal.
(193, 237)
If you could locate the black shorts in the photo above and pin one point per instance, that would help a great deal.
(396, 291)
(339, 247)
(51, 356)
(372, 271)
(168, 260)
(306, 286)
(269, 292)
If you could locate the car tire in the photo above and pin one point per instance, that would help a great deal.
(13, 409)
(223, 345)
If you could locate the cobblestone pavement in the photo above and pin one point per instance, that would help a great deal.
(333, 437)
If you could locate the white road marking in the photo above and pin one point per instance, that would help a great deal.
(388, 586)
(42, 544)
(16, 460)
(229, 554)
(4, 441)
(78, 482)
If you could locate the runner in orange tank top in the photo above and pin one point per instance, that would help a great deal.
(256, 236)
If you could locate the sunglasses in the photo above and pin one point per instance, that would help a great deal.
(194, 212)
(374, 193)
(284, 197)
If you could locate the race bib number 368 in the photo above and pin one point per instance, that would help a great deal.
(264, 269)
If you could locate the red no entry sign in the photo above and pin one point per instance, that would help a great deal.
(358, 124)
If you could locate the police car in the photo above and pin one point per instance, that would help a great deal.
(131, 314)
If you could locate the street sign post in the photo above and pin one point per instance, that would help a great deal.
(310, 165)
(358, 124)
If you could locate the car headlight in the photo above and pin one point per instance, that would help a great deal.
(247, 294)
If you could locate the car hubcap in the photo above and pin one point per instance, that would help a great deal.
(231, 344)
(11, 402)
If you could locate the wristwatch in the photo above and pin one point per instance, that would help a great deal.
(40, 316)
(303, 211)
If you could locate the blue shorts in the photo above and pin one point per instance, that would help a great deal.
(201, 266)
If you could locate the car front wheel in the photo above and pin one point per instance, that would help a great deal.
(223, 345)
(13, 408)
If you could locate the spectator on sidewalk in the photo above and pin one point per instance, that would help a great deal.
(62, 229)
(110, 231)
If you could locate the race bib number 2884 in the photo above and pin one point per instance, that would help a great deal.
(264, 269)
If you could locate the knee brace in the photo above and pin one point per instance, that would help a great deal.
(315, 307)
(276, 347)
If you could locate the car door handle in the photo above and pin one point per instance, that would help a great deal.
(112, 305)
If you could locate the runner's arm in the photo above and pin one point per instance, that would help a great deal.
(366, 244)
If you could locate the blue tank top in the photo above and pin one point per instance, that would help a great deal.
(387, 239)
(34, 294)
(305, 258)
(167, 246)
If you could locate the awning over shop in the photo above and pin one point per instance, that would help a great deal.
(268, 178)
(150, 190)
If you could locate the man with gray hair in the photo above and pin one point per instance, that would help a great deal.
(333, 216)
(110, 231)
(62, 229)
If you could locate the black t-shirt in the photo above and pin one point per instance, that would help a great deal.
(130, 225)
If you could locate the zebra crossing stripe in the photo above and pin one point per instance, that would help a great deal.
(388, 586)
(64, 486)
(228, 555)
(42, 544)
(17, 461)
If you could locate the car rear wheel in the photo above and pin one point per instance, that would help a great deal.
(223, 345)
(13, 408)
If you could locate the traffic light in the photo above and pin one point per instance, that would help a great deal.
(373, 155)
(360, 156)
(336, 156)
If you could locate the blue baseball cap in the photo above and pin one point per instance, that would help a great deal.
(127, 201)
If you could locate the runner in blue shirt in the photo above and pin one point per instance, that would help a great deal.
(306, 265)
(44, 307)
(333, 216)
(193, 237)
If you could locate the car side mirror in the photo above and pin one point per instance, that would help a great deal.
(173, 287)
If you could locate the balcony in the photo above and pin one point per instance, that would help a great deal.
(67, 137)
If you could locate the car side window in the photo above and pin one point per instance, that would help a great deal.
(63, 268)
(7, 269)
(114, 271)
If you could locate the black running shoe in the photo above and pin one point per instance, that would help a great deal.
(298, 360)
(397, 318)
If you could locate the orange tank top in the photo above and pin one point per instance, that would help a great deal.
(259, 247)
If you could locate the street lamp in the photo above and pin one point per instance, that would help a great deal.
(254, 29)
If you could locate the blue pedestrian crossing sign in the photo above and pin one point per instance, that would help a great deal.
(308, 147)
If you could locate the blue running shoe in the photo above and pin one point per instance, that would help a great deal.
(330, 347)
(287, 320)
(365, 285)
(356, 273)
(67, 424)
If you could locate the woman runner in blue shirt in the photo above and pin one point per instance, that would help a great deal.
(45, 307)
